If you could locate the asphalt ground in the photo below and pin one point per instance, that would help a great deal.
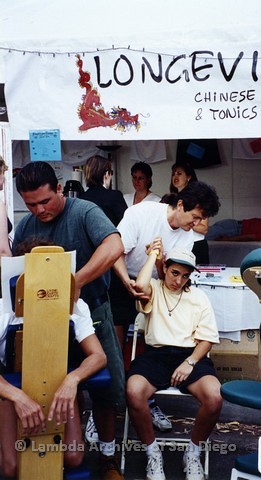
(236, 433)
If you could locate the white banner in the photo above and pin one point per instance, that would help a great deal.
(122, 94)
(186, 70)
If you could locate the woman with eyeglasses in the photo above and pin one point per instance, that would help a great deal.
(182, 174)
(98, 175)
(141, 174)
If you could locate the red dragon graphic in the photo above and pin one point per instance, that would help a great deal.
(92, 113)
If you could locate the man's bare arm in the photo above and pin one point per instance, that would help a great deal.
(102, 260)
(121, 270)
(4, 243)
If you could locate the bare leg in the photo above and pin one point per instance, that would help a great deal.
(73, 436)
(139, 390)
(104, 419)
(207, 391)
(8, 436)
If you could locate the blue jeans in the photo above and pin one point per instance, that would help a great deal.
(227, 227)
(105, 331)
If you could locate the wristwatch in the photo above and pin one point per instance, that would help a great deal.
(190, 362)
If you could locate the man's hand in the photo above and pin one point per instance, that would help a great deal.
(30, 414)
(62, 405)
(138, 294)
(156, 246)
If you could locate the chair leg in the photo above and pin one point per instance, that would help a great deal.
(259, 455)
(234, 474)
(237, 474)
(206, 460)
(124, 441)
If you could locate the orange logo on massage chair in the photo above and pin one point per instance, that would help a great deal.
(41, 293)
(47, 294)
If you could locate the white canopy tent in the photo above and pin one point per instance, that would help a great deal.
(147, 70)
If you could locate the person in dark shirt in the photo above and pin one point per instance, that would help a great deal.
(98, 175)
(80, 225)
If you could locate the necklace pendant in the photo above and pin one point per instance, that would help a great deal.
(169, 314)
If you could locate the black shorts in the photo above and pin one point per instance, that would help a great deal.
(158, 364)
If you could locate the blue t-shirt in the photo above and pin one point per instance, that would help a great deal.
(81, 226)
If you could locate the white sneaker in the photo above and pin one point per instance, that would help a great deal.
(159, 420)
(155, 467)
(192, 467)
(91, 434)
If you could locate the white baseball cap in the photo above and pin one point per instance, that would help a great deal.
(183, 256)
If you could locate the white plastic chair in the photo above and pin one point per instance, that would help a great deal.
(174, 442)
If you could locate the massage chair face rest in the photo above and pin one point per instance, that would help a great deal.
(251, 271)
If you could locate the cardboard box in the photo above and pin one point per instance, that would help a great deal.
(238, 360)
(232, 360)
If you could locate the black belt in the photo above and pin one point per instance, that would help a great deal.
(97, 302)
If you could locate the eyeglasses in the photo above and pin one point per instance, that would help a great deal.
(196, 218)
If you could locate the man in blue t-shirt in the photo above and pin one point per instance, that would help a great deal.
(80, 225)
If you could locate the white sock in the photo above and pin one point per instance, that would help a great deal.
(193, 449)
(152, 448)
(107, 448)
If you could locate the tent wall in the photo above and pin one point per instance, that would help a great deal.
(236, 180)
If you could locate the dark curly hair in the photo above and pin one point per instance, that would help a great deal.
(197, 195)
(33, 241)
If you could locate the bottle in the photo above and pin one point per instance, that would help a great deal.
(72, 189)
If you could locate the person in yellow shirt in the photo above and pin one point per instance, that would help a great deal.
(180, 330)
